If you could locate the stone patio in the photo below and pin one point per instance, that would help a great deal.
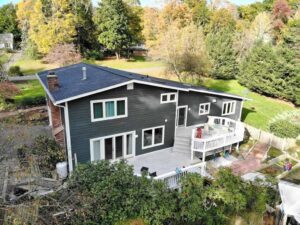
(162, 161)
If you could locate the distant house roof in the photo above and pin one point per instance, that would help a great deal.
(71, 85)
(6, 38)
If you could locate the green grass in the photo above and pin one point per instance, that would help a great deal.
(138, 62)
(29, 89)
(273, 153)
(4, 57)
(31, 66)
(256, 112)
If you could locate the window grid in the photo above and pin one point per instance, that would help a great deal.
(204, 108)
(153, 139)
(228, 108)
(110, 109)
(168, 97)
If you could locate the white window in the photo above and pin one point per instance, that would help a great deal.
(204, 108)
(108, 109)
(113, 147)
(152, 137)
(168, 97)
(228, 108)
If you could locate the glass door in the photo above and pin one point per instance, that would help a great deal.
(113, 147)
(181, 116)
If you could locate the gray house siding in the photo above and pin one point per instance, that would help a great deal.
(144, 111)
(193, 99)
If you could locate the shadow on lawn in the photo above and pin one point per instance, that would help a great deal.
(246, 112)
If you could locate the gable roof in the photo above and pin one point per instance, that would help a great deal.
(101, 78)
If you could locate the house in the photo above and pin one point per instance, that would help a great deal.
(103, 113)
(290, 206)
(6, 41)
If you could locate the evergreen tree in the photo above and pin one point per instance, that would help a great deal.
(8, 21)
(222, 54)
(85, 28)
(112, 21)
(272, 72)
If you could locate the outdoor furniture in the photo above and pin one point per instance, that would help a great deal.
(144, 169)
(153, 174)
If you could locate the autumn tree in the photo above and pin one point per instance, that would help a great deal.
(281, 13)
(184, 51)
(8, 90)
(199, 10)
(63, 54)
(221, 19)
(150, 26)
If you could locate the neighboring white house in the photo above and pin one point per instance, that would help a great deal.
(290, 197)
(7, 41)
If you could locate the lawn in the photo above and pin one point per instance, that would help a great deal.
(31, 66)
(29, 90)
(4, 57)
(256, 112)
(137, 62)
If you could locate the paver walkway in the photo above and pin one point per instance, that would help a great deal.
(253, 160)
(13, 113)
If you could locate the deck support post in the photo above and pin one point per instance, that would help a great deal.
(203, 156)
(238, 147)
(192, 155)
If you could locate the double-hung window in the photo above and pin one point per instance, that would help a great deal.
(108, 109)
(152, 137)
(228, 108)
(168, 97)
(204, 108)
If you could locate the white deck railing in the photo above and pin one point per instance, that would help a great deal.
(234, 133)
(172, 179)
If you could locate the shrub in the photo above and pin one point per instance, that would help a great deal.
(8, 90)
(63, 54)
(285, 129)
(32, 101)
(94, 54)
(15, 71)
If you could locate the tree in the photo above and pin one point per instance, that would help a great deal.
(281, 12)
(291, 36)
(58, 28)
(271, 71)
(112, 21)
(63, 54)
(150, 28)
(259, 30)
(222, 54)
(221, 19)
(184, 51)
(85, 38)
(200, 11)
(8, 21)
(8, 90)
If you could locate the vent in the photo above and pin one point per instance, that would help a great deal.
(84, 77)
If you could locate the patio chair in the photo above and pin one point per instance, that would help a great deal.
(153, 174)
(145, 170)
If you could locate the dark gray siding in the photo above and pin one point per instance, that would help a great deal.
(193, 99)
(144, 111)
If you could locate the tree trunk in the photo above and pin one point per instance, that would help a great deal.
(118, 54)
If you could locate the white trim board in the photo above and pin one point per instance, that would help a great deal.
(177, 115)
(69, 146)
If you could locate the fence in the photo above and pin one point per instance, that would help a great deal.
(269, 138)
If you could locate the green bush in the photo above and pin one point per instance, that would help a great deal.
(32, 101)
(285, 129)
(15, 71)
(94, 54)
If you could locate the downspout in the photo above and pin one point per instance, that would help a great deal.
(68, 137)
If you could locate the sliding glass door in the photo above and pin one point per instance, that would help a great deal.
(113, 147)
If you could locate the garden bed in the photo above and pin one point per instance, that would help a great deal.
(293, 176)
(273, 153)
(276, 169)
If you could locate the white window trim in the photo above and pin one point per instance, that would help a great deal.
(153, 137)
(168, 97)
(104, 110)
(231, 104)
(204, 104)
(112, 136)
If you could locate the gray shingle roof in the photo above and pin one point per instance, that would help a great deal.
(101, 78)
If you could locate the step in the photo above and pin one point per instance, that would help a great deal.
(182, 145)
(181, 149)
(181, 142)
